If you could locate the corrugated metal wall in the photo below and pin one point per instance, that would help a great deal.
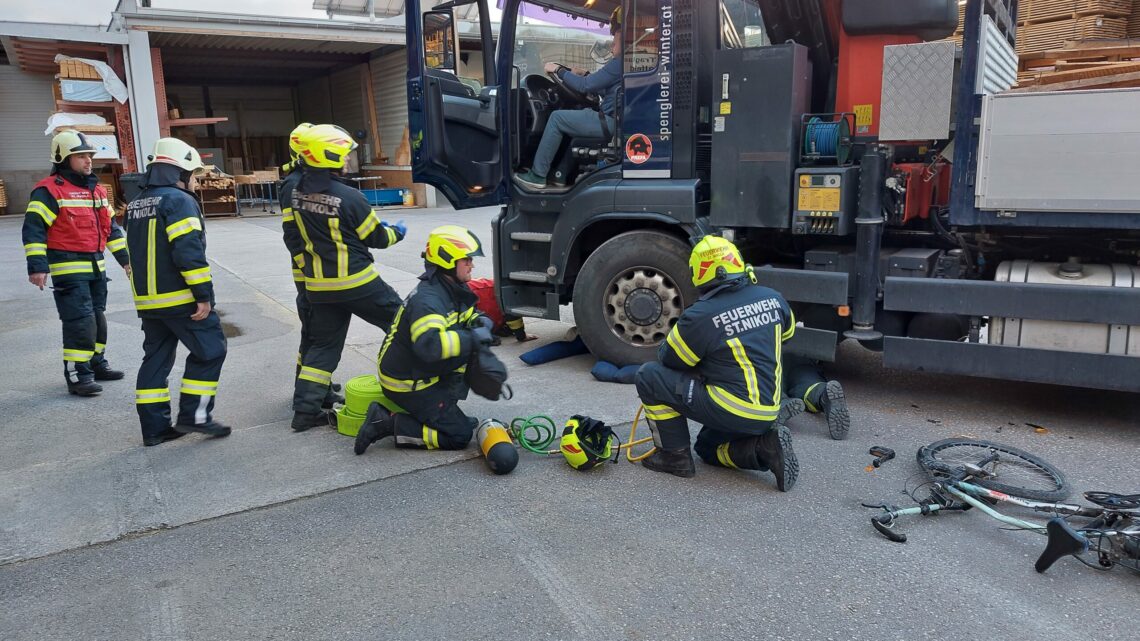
(347, 91)
(389, 83)
(25, 104)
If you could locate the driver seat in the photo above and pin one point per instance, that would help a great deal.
(578, 154)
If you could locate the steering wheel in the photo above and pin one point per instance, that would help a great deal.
(590, 100)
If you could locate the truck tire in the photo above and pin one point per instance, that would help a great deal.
(629, 294)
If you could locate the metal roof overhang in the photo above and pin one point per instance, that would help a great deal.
(32, 46)
(220, 49)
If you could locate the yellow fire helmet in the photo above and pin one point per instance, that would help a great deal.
(714, 259)
(587, 443)
(69, 142)
(173, 151)
(295, 138)
(325, 146)
(448, 244)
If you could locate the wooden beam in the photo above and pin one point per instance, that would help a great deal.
(48, 45)
(1101, 82)
(373, 125)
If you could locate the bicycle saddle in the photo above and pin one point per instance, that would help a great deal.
(1063, 541)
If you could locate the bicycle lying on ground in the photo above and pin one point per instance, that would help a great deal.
(967, 473)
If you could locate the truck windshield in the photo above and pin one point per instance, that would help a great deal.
(548, 35)
(742, 25)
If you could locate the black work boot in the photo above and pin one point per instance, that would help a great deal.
(774, 450)
(790, 408)
(212, 428)
(678, 462)
(332, 397)
(84, 388)
(833, 404)
(168, 435)
(378, 423)
(104, 373)
(303, 421)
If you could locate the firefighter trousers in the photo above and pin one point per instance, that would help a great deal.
(670, 397)
(327, 328)
(433, 420)
(207, 345)
(81, 304)
(804, 380)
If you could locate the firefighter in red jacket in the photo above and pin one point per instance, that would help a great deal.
(68, 225)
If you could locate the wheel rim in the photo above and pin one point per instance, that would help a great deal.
(641, 305)
(1010, 470)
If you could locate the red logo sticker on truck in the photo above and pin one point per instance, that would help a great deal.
(638, 148)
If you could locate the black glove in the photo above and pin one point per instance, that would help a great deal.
(483, 335)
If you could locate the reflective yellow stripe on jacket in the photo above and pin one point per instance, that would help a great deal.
(159, 301)
(35, 249)
(316, 283)
(117, 244)
(197, 276)
(40, 209)
(398, 385)
(681, 348)
(183, 227)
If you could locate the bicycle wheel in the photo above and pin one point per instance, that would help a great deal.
(1016, 472)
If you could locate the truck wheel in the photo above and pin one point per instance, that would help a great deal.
(630, 293)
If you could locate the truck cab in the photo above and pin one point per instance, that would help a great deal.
(778, 124)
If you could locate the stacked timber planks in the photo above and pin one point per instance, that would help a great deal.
(1103, 64)
(1134, 20)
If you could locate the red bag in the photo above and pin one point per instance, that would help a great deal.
(484, 288)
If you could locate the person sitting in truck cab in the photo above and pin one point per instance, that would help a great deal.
(580, 123)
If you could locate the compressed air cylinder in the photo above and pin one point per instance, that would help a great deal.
(499, 452)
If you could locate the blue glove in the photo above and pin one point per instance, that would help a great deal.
(399, 226)
(483, 335)
(485, 321)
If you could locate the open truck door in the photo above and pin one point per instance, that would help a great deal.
(453, 127)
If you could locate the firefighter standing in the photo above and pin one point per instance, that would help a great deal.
(331, 228)
(68, 224)
(720, 366)
(174, 296)
(292, 173)
(421, 362)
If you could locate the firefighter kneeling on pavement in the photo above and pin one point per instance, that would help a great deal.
(68, 224)
(174, 296)
(422, 362)
(720, 367)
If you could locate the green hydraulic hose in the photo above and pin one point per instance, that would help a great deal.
(535, 433)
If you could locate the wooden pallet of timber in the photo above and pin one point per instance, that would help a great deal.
(1038, 11)
(1035, 38)
(1134, 20)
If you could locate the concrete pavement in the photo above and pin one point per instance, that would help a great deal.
(273, 535)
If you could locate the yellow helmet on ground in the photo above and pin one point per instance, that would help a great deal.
(295, 138)
(587, 443)
(448, 244)
(713, 259)
(173, 151)
(325, 146)
(68, 142)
